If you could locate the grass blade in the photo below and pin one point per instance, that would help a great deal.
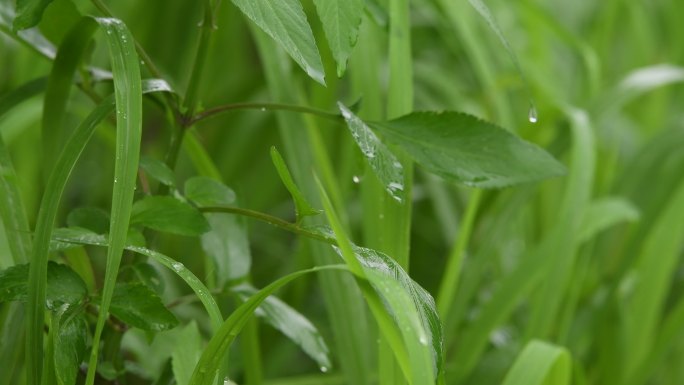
(540, 363)
(211, 359)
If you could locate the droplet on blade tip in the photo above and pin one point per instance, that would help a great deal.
(532, 115)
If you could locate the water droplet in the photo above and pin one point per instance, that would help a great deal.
(324, 369)
(532, 115)
(177, 266)
(394, 186)
(423, 340)
(356, 179)
(263, 109)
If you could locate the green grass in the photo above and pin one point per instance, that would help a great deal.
(341, 192)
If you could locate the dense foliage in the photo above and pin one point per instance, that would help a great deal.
(355, 192)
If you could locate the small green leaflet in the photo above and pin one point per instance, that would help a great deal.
(206, 191)
(64, 286)
(186, 354)
(341, 20)
(29, 13)
(285, 22)
(91, 218)
(137, 305)
(69, 345)
(168, 214)
(157, 170)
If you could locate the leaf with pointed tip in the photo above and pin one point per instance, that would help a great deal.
(137, 305)
(64, 286)
(341, 20)
(540, 363)
(186, 353)
(168, 214)
(69, 346)
(207, 191)
(157, 170)
(383, 162)
(29, 13)
(465, 149)
(302, 206)
(285, 22)
(291, 323)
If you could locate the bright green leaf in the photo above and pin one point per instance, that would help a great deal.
(29, 13)
(64, 286)
(69, 346)
(291, 323)
(302, 206)
(465, 149)
(285, 21)
(341, 20)
(137, 305)
(91, 218)
(206, 191)
(540, 363)
(168, 214)
(157, 170)
(383, 162)
(186, 354)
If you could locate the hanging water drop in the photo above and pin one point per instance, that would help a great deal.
(532, 115)
(356, 179)
(324, 369)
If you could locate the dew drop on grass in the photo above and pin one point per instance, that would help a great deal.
(263, 109)
(532, 114)
(177, 266)
(324, 369)
(356, 179)
(423, 340)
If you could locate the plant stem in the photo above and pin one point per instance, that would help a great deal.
(449, 284)
(263, 107)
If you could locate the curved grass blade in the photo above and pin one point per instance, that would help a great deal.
(540, 363)
(12, 210)
(286, 23)
(341, 20)
(604, 213)
(211, 359)
(391, 304)
(59, 85)
(85, 237)
(292, 324)
(465, 149)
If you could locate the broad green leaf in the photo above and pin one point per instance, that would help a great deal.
(392, 306)
(69, 345)
(383, 162)
(91, 218)
(148, 275)
(212, 356)
(85, 237)
(227, 242)
(604, 213)
(30, 37)
(29, 13)
(302, 206)
(540, 363)
(137, 305)
(206, 191)
(291, 323)
(341, 20)
(285, 21)
(63, 284)
(168, 214)
(157, 170)
(186, 354)
(465, 149)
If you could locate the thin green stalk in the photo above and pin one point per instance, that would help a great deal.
(251, 353)
(449, 284)
(218, 110)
